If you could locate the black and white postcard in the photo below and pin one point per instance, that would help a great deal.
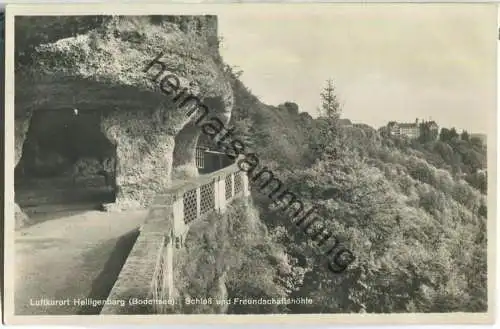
(299, 163)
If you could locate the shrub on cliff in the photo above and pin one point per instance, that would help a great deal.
(237, 246)
(274, 132)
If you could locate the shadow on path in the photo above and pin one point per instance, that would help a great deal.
(102, 285)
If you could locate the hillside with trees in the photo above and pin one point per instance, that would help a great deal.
(414, 212)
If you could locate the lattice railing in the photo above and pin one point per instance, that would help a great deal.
(211, 192)
(238, 183)
(207, 198)
(189, 200)
(229, 187)
(148, 268)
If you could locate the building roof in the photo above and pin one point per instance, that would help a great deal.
(408, 125)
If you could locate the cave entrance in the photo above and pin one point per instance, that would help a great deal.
(66, 160)
(195, 152)
(210, 156)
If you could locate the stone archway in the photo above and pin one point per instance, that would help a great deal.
(125, 86)
(184, 155)
(186, 141)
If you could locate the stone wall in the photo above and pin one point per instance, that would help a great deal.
(148, 272)
(135, 279)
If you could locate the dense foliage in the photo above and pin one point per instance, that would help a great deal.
(414, 212)
(238, 248)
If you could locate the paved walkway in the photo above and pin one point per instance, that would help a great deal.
(72, 257)
(72, 252)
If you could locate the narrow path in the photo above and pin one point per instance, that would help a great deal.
(72, 252)
(72, 257)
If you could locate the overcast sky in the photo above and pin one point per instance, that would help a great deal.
(389, 61)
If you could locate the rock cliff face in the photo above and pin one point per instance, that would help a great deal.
(102, 68)
(21, 127)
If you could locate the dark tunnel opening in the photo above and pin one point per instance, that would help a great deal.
(66, 159)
